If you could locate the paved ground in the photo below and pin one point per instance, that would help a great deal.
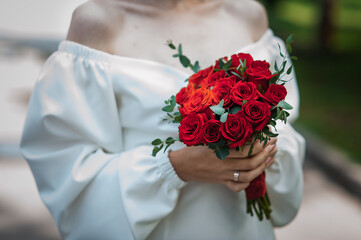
(327, 212)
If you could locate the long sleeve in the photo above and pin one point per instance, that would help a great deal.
(285, 177)
(73, 140)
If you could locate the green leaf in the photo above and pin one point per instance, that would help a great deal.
(168, 145)
(289, 48)
(218, 109)
(212, 146)
(224, 117)
(289, 70)
(168, 108)
(276, 67)
(279, 114)
(236, 74)
(173, 101)
(279, 47)
(177, 119)
(196, 67)
(180, 49)
(227, 65)
(184, 60)
(269, 133)
(235, 110)
(222, 153)
(156, 142)
(285, 105)
(170, 44)
(221, 63)
(156, 150)
(175, 55)
(169, 140)
(289, 40)
(294, 58)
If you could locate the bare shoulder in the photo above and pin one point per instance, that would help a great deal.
(254, 13)
(94, 24)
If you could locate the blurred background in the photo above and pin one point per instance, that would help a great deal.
(327, 43)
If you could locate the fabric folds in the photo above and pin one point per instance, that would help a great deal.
(91, 119)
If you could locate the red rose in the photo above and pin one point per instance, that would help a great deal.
(222, 90)
(257, 187)
(198, 77)
(183, 95)
(236, 129)
(258, 113)
(198, 101)
(236, 58)
(244, 91)
(213, 78)
(260, 75)
(211, 131)
(190, 129)
(274, 94)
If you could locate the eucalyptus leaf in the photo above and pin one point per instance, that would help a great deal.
(168, 108)
(279, 114)
(184, 60)
(173, 101)
(235, 110)
(289, 70)
(180, 49)
(285, 105)
(227, 65)
(222, 153)
(224, 117)
(169, 140)
(279, 47)
(218, 109)
(221, 63)
(236, 74)
(289, 40)
(156, 142)
(156, 150)
(171, 45)
(196, 67)
(276, 66)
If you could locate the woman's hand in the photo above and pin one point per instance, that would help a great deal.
(200, 164)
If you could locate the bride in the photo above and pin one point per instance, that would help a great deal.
(97, 106)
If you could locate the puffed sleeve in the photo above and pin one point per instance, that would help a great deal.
(73, 142)
(285, 177)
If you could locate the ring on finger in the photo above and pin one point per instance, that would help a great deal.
(236, 175)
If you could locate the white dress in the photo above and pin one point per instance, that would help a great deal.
(87, 138)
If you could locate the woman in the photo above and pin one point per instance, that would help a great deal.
(97, 106)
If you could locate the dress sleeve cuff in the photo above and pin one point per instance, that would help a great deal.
(168, 173)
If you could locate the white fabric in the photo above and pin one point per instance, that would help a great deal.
(87, 138)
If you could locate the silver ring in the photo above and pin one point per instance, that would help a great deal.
(236, 175)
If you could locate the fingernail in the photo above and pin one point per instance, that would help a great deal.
(268, 159)
(271, 147)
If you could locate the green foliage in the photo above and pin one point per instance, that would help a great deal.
(182, 58)
(218, 109)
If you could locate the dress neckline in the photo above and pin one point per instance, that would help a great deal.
(84, 51)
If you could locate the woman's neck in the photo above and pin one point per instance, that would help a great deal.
(170, 4)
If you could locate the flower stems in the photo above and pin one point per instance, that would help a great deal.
(261, 206)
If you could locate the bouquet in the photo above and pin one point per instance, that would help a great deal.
(236, 101)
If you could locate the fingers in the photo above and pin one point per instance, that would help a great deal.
(236, 186)
(251, 162)
(244, 150)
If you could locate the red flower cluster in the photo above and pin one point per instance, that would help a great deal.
(247, 98)
(228, 105)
